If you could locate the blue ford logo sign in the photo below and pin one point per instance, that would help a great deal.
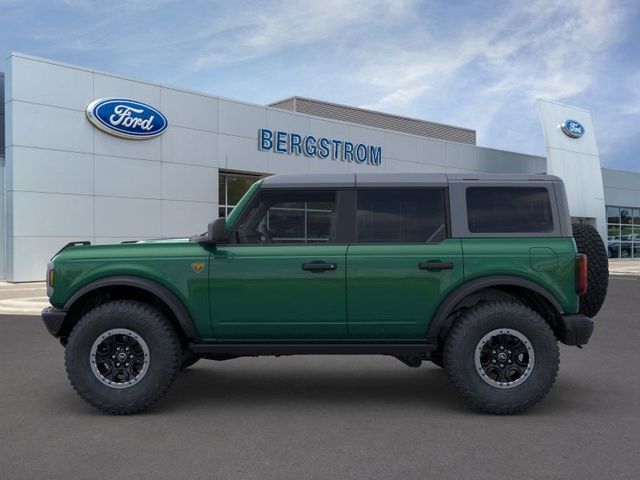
(126, 118)
(572, 128)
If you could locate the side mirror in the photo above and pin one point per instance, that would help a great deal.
(217, 231)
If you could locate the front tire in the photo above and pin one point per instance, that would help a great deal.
(122, 356)
(502, 357)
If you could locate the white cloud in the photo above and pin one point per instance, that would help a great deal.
(255, 32)
(546, 49)
(399, 97)
(487, 75)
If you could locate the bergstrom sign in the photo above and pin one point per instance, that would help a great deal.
(320, 147)
(126, 118)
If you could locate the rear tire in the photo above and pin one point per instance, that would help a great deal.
(122, 356)
(588, 241)
(502, 357)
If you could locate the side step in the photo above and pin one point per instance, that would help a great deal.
(261, 349)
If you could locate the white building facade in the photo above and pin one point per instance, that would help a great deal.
(64, 179)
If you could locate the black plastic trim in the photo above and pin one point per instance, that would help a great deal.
(575, 329)
(439, 321)
(172, 301)
(53, 319)
(262, 349)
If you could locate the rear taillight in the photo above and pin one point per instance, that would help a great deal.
(581, 274)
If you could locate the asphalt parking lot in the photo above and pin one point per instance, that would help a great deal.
(326, 417)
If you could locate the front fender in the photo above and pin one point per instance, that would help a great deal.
(180, 268)
(176, 306)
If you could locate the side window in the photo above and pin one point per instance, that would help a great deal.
(401, 215)
(289, 217)
(509, 210)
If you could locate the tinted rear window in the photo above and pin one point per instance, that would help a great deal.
(401, 216)
(509, 210)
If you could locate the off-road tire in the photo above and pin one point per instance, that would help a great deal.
(463, 340)
(588, 241)
(157, 332)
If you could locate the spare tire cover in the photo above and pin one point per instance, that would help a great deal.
(588, 241)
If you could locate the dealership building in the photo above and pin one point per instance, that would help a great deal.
(91, 156)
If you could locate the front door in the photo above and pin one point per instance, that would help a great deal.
(402, 264)
(283, 277)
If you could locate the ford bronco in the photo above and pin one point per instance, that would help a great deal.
(482, 275)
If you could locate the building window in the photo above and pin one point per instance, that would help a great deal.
(231, 188)
(623, 232)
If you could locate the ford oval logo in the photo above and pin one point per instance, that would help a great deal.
(126, 118)
(572, 128)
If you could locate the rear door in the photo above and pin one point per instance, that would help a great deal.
(402, 263)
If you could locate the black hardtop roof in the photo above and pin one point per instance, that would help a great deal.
(418, 179)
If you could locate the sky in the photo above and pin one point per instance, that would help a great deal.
(474, 64)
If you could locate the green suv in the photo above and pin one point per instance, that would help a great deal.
(480, 274)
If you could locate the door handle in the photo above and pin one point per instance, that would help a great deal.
(319, 267)
(435, 265)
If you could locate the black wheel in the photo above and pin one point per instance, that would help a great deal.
(188, 359)
(588, 241)
(122, 356)
(502, 357)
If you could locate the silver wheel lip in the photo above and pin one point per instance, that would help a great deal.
(504, 331)
(110, 333)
